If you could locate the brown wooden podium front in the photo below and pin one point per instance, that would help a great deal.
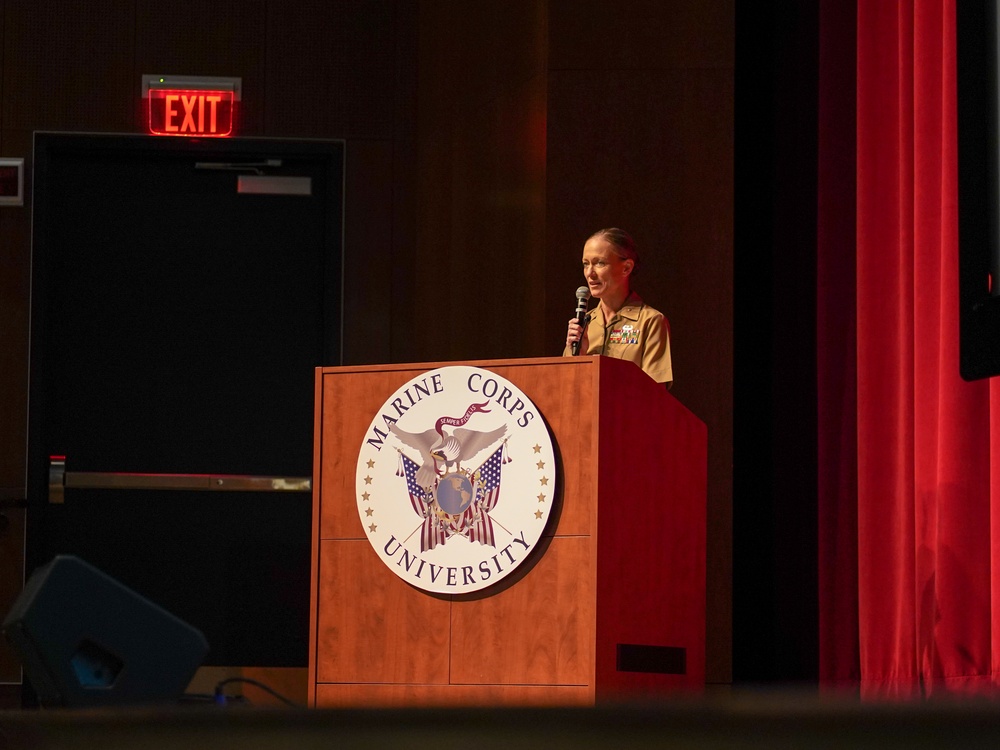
(613, 606)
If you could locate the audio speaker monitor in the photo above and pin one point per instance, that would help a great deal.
(84, 639)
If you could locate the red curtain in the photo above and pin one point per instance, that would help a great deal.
(909, 495)
(837, 442)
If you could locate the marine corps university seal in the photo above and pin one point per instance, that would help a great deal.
(456, 479)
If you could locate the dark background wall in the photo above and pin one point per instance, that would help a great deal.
(485, 141)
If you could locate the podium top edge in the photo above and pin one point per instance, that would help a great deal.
(484, 363)
(599, 363)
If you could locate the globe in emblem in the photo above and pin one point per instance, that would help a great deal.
(454, 493)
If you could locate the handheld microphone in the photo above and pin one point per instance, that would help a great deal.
(582, 295)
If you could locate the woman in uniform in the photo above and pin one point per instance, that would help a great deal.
(621, 325)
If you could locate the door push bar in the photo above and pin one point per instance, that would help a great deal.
(60, 480)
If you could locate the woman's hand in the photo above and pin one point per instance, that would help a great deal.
(574, 332)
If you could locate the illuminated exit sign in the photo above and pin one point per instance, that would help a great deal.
(187, 112)
(191, 105)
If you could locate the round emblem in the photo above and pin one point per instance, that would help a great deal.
(455, 480)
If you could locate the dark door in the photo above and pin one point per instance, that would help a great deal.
(177, 317)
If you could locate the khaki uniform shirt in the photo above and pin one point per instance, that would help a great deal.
(637, 333)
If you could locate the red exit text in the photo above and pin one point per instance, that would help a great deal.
(191, 112)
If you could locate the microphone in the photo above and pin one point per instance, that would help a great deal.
(582, 295)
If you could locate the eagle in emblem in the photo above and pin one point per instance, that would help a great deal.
(453, 502)
(440, 447)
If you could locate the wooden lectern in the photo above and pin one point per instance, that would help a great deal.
(613, 608)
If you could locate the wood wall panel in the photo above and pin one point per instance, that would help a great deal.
(68, 66)
(481, 172)
(640, 34)
(3, 66)
(407, 215)
(331, 68)
(368, 232)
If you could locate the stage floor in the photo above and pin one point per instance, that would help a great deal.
(768, 720)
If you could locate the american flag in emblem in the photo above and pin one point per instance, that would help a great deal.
(417, 494)
(432, 532)
(481, 528)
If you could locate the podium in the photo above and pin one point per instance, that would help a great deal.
(612, 606)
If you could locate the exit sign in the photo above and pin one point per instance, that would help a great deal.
(191, 105)
(180, 112)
